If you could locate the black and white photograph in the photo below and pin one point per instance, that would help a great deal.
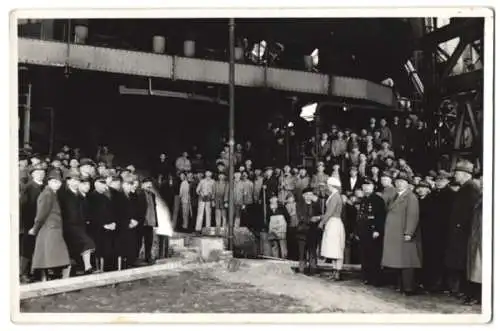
(178, 163)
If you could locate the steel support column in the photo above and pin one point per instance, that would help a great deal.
(231, 135)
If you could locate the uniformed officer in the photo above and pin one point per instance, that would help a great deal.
(370, 226)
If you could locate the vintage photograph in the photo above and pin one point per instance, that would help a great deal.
(251, 165)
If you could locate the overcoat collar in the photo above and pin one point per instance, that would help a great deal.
(399, 198)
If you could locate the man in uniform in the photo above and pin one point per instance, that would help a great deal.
(370, 228)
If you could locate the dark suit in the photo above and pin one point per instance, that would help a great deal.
(371, 219)
(462, 212)
(100, 215)
(434, 221)
(308, 233)
(348, 188)
(74, 227)
(28, 207)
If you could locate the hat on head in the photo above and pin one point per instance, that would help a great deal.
(35, 168)
(86, 161)
(54, 174)
(424, 184)
(443, 175)
(368, 181)
(465, 166)
(307, 190)
(72, 175)
(353, 168)
(116, 179)
(268, 168)
(100, 180)
(432, 173)
(404, 176)
(385, 141)
(334, 181)
(147, 180)
(23, 155)
(386, 174)
(321, 163)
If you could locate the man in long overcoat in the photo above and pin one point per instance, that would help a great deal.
(28, 208)
(102, 224)
(79, 243)
(435, 236)
(308, 234)
(402, 249)
(459, 230)
(462, 211)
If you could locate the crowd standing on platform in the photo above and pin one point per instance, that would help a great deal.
(370, 198)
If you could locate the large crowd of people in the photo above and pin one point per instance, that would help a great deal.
(369, 198)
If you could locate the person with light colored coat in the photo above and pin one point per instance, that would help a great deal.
(333, 241)
(402, 240)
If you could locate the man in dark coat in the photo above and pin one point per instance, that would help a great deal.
(102, 224)
(370, 229)
(459, 227)
(402, 235)
(427, 225)
(146, 231)
(134, 213)
(79, 243)
(28, 206)
(119, 216)
(308, 233)
(353, 182)
(435, 232)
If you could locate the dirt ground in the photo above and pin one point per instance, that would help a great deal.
(252, 287)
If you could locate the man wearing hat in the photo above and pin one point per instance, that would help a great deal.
(302, 182)
(28, 207)
(50, 251)
(385, 151)
(460, 226)
(308, 234)
(119, 217)
(429, 229)
(402, 235)
(388, 190)
(79, 243)
(370, 229)
(103, 228)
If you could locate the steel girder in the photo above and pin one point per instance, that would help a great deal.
(48, 53)
(463, 91)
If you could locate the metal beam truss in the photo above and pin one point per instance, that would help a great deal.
(85, 57)
(453, 103)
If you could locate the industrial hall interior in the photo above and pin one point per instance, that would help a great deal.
(349, 150)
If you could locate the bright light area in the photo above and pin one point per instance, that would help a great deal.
(290, 124)
(257, 51)
(315, 57)
(308, 112)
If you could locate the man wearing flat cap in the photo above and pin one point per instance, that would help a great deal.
(370, 228)
(402, 235)
(388, 190)
(460, 226)
(28, 206)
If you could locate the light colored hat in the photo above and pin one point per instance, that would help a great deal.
(333, 181)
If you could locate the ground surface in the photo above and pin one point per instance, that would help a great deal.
(255, 287)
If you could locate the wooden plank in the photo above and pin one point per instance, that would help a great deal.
(108, 278)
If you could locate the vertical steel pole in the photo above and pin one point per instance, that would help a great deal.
(231, 134)
(27, 117)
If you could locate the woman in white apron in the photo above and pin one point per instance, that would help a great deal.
(333, 241)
